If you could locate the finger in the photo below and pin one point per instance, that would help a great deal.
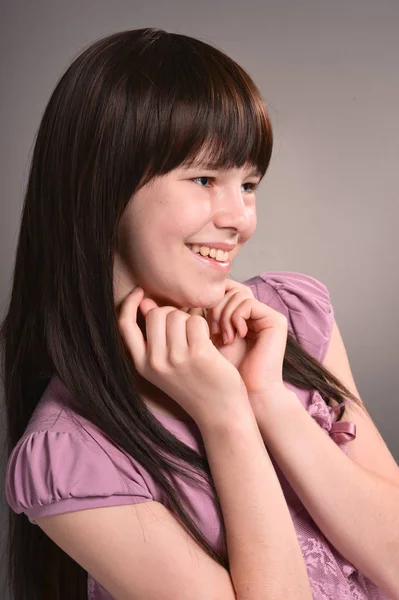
(239, 311)
(232, 319)
(176, 336)
(231, 283)
(196, 328)
(260, 315)
(235, 296)
(157, 345)
(214, 314)
(146, 305)
(231, 286)
(131, 332)
(213, 324)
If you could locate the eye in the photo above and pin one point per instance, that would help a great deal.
(252, 186)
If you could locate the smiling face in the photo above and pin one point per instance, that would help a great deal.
(185, 206)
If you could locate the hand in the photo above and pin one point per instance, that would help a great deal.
(179, 358)
(258, 349)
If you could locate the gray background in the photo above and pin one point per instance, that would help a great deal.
(329, 205)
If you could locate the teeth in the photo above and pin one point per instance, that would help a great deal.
(218, 255)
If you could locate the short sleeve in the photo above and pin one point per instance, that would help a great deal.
(51, 472)
(306, 303)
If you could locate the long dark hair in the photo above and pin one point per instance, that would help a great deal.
(130, 107)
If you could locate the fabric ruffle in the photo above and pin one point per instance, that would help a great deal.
(51, 472)
(340, 431)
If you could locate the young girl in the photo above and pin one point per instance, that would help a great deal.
(119, 388)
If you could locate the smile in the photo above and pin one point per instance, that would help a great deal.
(208, 261)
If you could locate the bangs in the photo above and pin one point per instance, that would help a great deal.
(203, 109)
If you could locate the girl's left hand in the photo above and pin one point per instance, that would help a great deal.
(257, 338)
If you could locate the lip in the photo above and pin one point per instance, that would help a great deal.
(217, 245)
(220, 266)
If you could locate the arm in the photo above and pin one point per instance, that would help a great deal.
(355, 509)
(265, 558)
(123, 546)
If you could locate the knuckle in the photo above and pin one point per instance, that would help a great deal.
(155, 362)
(199, 352)
(152, 312)
(197, 322)
(122, 323)
(248, 292)
(177, 357)
(196, 319)
(174, 315)
(282, 320)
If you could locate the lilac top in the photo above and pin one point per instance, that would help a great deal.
(58, 466)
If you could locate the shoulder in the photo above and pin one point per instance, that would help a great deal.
(304, 300)
(62, 464)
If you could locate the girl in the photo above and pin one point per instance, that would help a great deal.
(119, 387)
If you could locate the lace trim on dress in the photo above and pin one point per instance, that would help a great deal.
(340, 431)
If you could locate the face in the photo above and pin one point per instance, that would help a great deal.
(186, 206)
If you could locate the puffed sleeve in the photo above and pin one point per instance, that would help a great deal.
(51, 472)
(306, 303)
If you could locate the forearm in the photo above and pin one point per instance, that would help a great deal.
(265, 558)
(354, 508)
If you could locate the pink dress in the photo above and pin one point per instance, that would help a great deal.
(59, 466)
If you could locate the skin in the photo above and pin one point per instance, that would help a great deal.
(181, 207)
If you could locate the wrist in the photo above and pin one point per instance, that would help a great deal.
(275, 395)
(239, 413)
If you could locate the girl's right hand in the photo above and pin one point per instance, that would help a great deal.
(180, 359)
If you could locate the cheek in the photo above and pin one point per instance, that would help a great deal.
(187, 216)
(250, 230)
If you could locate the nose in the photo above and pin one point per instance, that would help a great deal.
(234, 209)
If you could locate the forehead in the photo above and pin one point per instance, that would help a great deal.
(206, 164)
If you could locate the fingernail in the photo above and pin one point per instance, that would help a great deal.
(225, 338)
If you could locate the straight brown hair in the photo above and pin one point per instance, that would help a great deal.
(132, 106)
